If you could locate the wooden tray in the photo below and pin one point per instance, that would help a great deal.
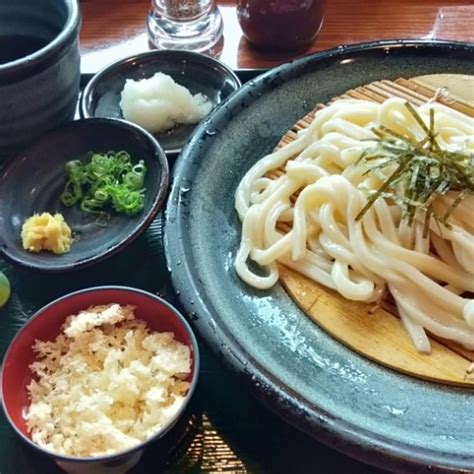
(378, 333)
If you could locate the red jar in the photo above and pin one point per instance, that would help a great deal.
(280, 25)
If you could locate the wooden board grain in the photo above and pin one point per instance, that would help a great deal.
(378, 333)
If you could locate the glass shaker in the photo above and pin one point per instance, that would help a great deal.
(280, 25)
(193, 25)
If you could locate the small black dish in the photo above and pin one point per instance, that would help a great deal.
(33, 180)
(197, 72)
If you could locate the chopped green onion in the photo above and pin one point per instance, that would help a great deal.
(108, 180)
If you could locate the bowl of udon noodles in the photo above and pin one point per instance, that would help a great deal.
(339, 192)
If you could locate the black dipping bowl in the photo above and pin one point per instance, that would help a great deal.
(32, 182)
(196, 72)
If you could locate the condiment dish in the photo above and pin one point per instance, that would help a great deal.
(33, 181)
(197, 72)
(46, 325)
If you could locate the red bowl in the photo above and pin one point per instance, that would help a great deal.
(46, 325)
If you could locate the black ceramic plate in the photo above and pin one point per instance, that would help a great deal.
(32, 182)
(197, 72)
(319, 385)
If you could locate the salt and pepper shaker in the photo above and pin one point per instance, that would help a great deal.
(192, 25)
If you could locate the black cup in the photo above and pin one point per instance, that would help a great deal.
(39, 68)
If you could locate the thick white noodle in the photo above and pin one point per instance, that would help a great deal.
(427, 276)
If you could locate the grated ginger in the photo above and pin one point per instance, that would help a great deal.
(105, 384)
(46, 232)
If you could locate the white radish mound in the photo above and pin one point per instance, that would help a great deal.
(158, 104)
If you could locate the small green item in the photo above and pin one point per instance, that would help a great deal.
(108, 180)
(5, 289)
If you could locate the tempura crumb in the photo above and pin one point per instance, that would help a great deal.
(105, 384)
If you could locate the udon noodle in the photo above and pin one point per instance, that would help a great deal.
(306, 220)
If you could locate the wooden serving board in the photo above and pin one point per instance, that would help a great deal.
(378, 333)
